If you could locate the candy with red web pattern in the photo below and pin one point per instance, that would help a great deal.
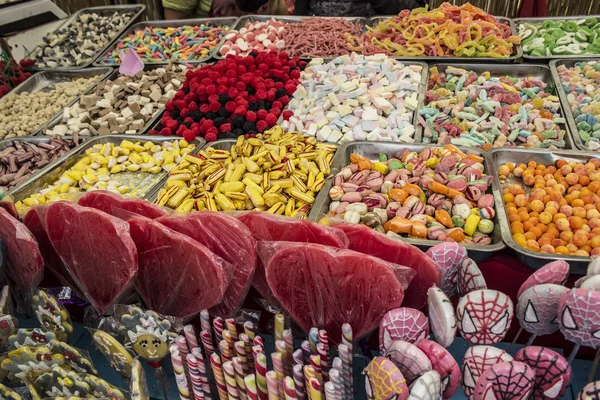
(537, 308)
(591, 391)
(470, 278)
(484, 316)
(579, 317)
(555, 272)
(427, 387)
(442, 362)
(476, 361)
(402, 323)
(448, 256)
(506, 380)
(411, 361)
(552, 371)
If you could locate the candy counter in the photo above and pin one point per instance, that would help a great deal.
(294, 208)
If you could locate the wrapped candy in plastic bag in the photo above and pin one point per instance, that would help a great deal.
(117, 355)
(25, 265)
(113, 204)
(269, 227)
(96, 249)
(325, 287)
(229, 239)
(52, 315)
(9, 394)
(138, 388)
(177, 275)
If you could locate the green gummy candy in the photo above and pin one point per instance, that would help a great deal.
(382, 157)
(394, 164)
(584, 126)
(584, 136)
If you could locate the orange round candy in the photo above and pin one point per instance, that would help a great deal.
(562, 250)
(563, 224)
(537, 205)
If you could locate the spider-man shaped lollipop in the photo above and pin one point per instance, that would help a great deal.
(484, 316)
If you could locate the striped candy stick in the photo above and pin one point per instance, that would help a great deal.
(230, 381)
(249, 329)
(315, 389)
(240, 350)
(289, 389)
(305, 346)
(218, 326)
(182, 346)
(299, 380)
(313, 339)
(225, 352)
(347, 339)
(239, 377)
(338, 366)
(207, 343)
(288, 338)
(190, 336)
(230, 342)
(277, 359)
(230, 323)
(272, 385)
(204, 320)
(258, 341)
(315, 362)
(202, 369)
(195, 377)
(330, 393)
(298, 357)
(281, 347)
(346, 362)
(335, 378)
(180, 379)
(279, 326)
(248, 352)
(323, 351)
(260, 364)
(309, 373)
(251, 390)
(217, 368)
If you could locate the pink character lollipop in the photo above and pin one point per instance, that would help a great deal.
(506, 380)
(448, 256)
(384, 380)
(402, 323)
(427, 387)
(441, 316)
(555, 272)
(477, 360)
(591, 391)
(484, 316)
(552, 371)
(579, 318)
(411, 361)
(470, 278)
(442, 362)
(537, 309)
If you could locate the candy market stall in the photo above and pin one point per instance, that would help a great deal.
(296, 208)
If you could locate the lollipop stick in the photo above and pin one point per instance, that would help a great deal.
(573, 353)
(531, 339)
(160, 375)
(594, 365)
(515, 339)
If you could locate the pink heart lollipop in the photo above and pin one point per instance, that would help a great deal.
(442, 362)
(448, 256)
(477, 360)
(470, 278)
(552, 371)
(537, 308)
(411, 361)
(383, 380)
(402, 323)
(506, 380)
(555, 272)
(484, 316)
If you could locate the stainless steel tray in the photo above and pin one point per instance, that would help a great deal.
(51, 173)
(41, 80)
(36, 140)
(371, 150)
(255, 18)
(576, 140)
(494, 159)
(516, 54)
(113, 75)
(539, 71)
(518, 21)
(137, 8)
(230, 21)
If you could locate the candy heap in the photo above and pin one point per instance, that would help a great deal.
(253, 175)
(561, 214)
(236, 96)
(582, 85)
(469, 109)
(437, 194)
(319, 37)
(561, 37)
(102, 162)
(78, 42)
(157, 44)
(254, 36)
(356, 98)
(459, 31)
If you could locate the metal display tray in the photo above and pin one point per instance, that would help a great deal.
(577, 142)
(257, 18)
(494, 159)
(530, 58)
(230, 21)
(137, 8)
(41, 80)
(538, 71)
(371, 151)
(51, 173)
(516, 54)
(37, 140)
(112, 76)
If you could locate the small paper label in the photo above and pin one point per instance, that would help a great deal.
(131, 63)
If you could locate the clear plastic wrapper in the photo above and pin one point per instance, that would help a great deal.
(229, 239)
(52, 315)
(25, 265)
(138, 387)
(119, 358)
(112, 204)
(270, 227)
(325, 287)
(368, 241)
(177, 275)
(96, 249)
